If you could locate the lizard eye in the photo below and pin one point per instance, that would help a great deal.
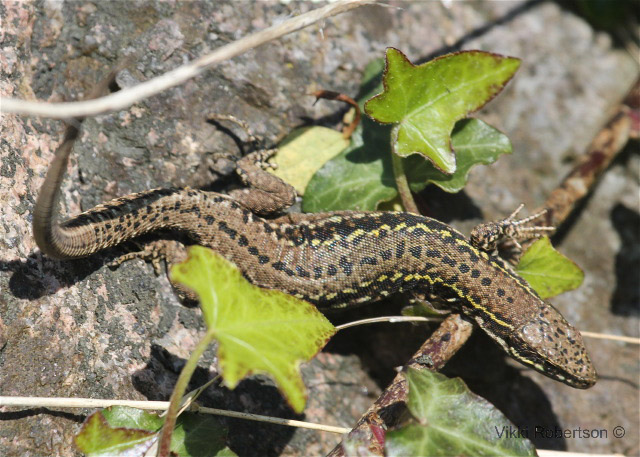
(538, 334)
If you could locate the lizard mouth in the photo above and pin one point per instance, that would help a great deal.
(574, 369)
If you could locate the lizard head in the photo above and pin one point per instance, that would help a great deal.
(553, 347)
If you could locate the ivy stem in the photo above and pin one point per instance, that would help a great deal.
(164, 445)
(403, 185)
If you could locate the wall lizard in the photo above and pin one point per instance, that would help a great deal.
(330, 259)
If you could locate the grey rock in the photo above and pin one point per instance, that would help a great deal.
(81, 329)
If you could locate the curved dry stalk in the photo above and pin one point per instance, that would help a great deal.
(388, 320)
(127, 97)
(84, 403)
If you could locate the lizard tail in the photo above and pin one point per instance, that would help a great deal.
(46, 229)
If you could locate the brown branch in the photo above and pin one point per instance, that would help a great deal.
(602, 150)
(127, 97)
(390, 407)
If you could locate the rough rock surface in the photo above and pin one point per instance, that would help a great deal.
(81, 329)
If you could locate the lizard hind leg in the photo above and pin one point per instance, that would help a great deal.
(170, 252)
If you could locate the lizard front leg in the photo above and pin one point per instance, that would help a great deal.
(487, 236)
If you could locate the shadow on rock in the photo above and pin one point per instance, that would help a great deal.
(37, 276)
(257, 395)
(24, 413)
(626, 296)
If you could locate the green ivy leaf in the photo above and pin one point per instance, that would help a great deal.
(359, 178)
(198, 435)
(133, 418)
(120, 431)
(97, 438)
(258, 330)
(425, 101)
(547, 271)
(474, 142)
(451, 420)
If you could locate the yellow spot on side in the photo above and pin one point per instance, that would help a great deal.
(492, 316)
(377, 231)
(479, 306)
(484, 255)
(355, 234)
(515, 354)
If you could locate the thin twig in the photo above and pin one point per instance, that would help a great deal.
(127, 97)
(348, 130)
(604, 336)
(52, 402)
(276, 420)
(61, 402)
(399, 319)
(188, 400)
(389, 320)
(55, 402)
